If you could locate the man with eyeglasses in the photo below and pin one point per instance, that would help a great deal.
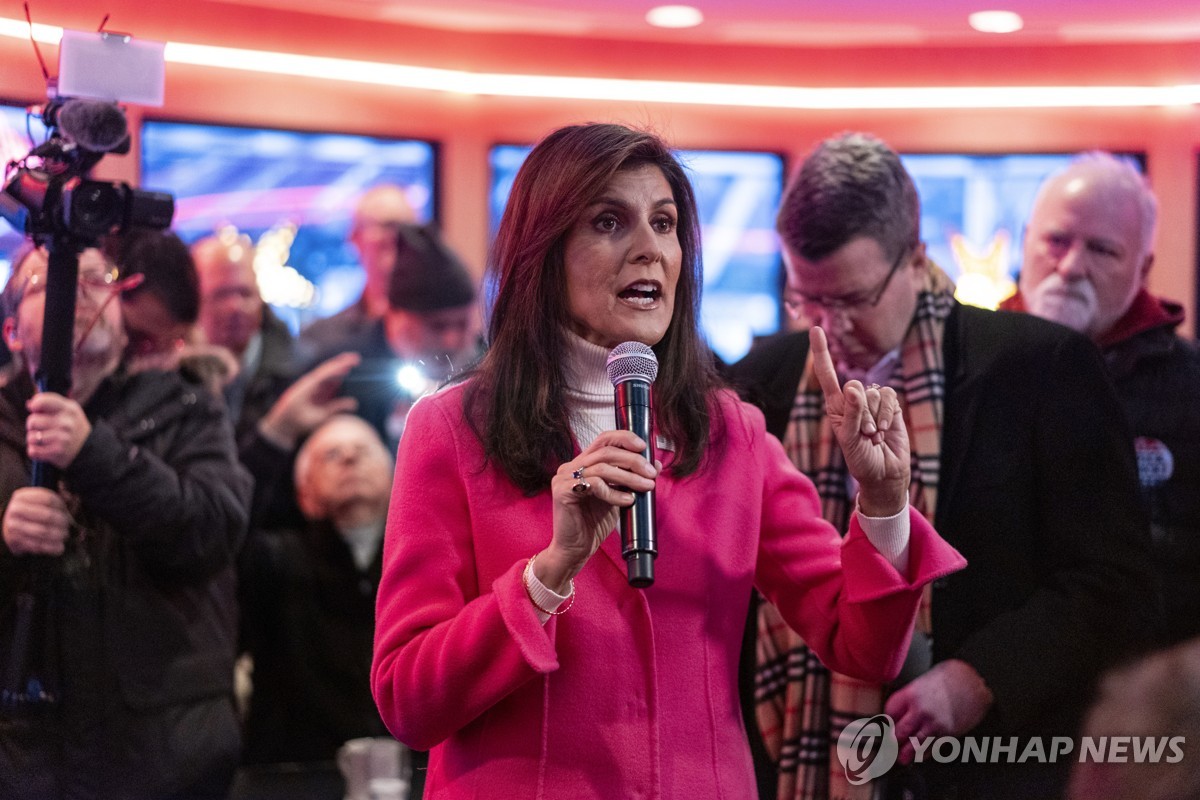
(1020, 458)
(129, 561)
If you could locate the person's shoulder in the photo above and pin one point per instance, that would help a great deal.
(333, 332)
(446, 405)
(769, 351)
(1015, 326)
(1014, 336)
(1186, 349)
(743, 420)
(155, 391)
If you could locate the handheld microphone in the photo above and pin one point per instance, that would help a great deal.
(632, 368)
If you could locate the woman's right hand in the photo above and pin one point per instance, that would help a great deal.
(612, 468)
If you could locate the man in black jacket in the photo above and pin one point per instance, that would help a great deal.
(1020, 458)
(130, 562)
(308, 612)
(1089, 245)
(308, 600)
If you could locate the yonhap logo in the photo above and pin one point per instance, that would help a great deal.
(868, 748)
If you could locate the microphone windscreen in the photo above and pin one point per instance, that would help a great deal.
(630, 361)
(95, 125)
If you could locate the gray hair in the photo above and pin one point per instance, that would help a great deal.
(851, 185)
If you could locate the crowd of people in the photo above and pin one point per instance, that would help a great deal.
(228, 548)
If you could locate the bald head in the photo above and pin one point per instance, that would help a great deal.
(231, 307)
(1088, 244)
(344, 472)
(377, 216)
(385, 204)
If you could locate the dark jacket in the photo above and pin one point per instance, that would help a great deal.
(1157, 375)
(330, 335)
(309, 622)
(248, 401)
(276, 371)
(142, 608)
(1038, 491)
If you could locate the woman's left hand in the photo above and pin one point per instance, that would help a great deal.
(870, 429)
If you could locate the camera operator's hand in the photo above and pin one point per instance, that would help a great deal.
(309, 401)
(56, 429)
(36, 522)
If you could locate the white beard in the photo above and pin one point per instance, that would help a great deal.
(1074, 304)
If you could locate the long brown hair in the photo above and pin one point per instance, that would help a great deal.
(516, 403)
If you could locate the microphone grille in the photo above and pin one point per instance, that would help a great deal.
(94, 125)
(631, 361)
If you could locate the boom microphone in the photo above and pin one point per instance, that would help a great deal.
(632, 368)
(94, 125)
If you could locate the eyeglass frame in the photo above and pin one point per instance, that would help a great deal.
(24, 278)
(794, 306)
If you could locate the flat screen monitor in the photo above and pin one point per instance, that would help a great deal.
(290, 191)
(737, 194)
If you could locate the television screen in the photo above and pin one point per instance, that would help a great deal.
(973, 211)
(291, 192)
(737, 194)
(18, 134)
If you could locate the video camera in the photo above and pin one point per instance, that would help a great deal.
(47, 192)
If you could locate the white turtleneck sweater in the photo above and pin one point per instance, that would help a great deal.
(589, 396)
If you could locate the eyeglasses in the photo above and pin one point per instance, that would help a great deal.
(98, 283)
(797, 301)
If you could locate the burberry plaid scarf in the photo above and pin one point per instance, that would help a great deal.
(801, 706)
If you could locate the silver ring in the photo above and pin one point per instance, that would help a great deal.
(873, 386)
(580, 486)
(577, 474)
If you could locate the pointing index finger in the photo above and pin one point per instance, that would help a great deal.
(823, 365)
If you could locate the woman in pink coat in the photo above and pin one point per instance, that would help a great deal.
(509, 641)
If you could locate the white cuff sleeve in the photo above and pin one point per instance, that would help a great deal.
(889, 535)
(544, 597)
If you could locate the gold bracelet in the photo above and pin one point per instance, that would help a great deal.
(570, 601)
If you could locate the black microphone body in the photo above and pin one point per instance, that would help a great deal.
(632, 367)
(639, 544)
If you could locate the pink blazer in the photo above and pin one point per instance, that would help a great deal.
(631, 693)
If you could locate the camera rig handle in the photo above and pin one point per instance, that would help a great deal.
(58, 331)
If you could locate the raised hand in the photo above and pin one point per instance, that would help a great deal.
(308, 402)
(870, 429)
(587, 502)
